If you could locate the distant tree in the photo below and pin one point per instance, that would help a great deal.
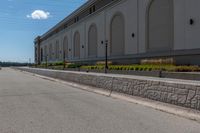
(9, 64)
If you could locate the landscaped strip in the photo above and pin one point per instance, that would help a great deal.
(134, 67)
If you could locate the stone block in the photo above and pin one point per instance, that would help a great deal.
(181, 86)
(189, 87)
(174, 85)
(181, 91)
(191, 100)
(170, 89)
(155, 83)
(172, 97)
(198, 91)
(181, 99)
(164, 96)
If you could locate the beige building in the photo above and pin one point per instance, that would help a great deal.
(134, 30)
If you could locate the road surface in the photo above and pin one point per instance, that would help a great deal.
(30, 104)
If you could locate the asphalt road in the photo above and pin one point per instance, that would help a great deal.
(29, 104)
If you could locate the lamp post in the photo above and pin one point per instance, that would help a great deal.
(106, 56)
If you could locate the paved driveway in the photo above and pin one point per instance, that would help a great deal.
(29, 104)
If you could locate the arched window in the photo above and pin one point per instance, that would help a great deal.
(160, 25)
(92, 41)
(65, 47)
(117, 35)
(77, 45)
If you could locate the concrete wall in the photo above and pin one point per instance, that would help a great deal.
(135, 14)
(102, 20)
(178, 92)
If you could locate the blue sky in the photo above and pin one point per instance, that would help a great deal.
(22, 20)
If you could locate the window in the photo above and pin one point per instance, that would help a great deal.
(76, 19)
(92, 9)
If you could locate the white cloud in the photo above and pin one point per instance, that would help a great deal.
(39, 14)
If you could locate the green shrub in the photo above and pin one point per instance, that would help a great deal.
(136, 68)
(58, 63)
(50, 64)
(57, 67)
(73, 66)
(145, 67)
(187, 69)
(149, 69)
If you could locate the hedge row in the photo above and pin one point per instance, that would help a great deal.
(143, 67)
(171, 68)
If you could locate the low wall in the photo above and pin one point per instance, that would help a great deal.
(178, 92)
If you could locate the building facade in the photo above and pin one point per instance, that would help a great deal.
(133, 30)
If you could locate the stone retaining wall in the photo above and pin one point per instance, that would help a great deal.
(163, 74)
(178, 92)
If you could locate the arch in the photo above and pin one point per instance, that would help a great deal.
(77, 44)
(57, 50)
(65, 47)
(92, 41)
(117, 31)
(160, 25)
